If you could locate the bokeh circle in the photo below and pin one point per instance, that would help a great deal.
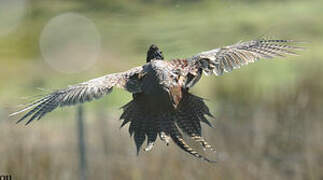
(70, 43)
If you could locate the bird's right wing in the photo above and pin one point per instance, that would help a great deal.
(231, 57)
(82, 92)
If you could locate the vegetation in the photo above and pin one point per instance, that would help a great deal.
(268, 114)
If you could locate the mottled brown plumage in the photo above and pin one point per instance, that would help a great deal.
(161, 104)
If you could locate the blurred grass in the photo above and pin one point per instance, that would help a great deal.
(268, 123)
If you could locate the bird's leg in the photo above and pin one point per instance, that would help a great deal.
(164, 137)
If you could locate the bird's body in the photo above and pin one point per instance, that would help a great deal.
(164, 104)
(161, 103)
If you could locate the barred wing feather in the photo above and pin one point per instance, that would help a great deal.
(232, 57)
(82, 92)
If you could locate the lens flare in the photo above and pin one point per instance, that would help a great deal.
(70, 43)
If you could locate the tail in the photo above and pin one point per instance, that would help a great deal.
(192, 110)
(178, 139)
(149, 118)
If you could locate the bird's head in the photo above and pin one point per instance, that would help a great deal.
(154, 53)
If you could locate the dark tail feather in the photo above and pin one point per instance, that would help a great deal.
(197, 105)
(128, 110)
(151, 132)
(191, 112)
(148, 119)
(132, 113)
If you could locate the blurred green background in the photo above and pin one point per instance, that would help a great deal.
(268, 114)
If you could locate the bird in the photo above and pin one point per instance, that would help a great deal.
(162, 104)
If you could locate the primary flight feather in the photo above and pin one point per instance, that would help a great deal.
(161, 103)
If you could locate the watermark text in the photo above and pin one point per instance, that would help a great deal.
(5, 177)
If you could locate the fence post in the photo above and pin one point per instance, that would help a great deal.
(81, 143)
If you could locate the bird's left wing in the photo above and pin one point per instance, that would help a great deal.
(231, 57)
(82, 92)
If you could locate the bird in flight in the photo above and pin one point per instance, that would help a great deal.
(162, 104)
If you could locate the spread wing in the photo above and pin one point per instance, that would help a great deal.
(227, 58)
(82, 92)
